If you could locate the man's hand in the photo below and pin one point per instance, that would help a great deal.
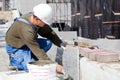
(60, 69)
(63, 45)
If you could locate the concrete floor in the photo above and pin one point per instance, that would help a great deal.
(7, 74)
(4, 62)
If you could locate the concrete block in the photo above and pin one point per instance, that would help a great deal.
(83, 52)
(55, 29)
(107, 56)
(99, 55)
(87, 52)
(71, 62)
(92, 70)
(108, 44)
(92, 55)
(67, 35)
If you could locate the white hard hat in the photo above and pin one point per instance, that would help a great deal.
(43, 12)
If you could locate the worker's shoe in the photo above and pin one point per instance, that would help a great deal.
(12, 67)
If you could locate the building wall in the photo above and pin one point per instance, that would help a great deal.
(24, 6)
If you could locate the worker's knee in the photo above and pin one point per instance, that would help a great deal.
(45, 44)
(49, 45)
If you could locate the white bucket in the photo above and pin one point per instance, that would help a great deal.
(42, 71)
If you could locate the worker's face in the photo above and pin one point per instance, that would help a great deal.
(39, 22)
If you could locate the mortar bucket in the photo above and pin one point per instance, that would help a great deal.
(42, 70)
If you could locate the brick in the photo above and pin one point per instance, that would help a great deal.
(107, 56)
(83, 52)
(99, 55)
(87, 52)
(92, 55)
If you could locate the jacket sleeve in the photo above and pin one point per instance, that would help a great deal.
(48, 33)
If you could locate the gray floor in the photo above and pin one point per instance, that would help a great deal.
(4, 62)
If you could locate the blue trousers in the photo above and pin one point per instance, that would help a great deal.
(19, 57)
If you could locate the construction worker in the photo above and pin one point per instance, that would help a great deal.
(23, 44)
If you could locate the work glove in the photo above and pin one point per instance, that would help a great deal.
(63, 45)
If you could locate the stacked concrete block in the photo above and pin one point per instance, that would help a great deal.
(67, 35)
(107, 56)
(108, 44)
(71, 62)
(99, 55)
(87, 51)
(104, 56)
(83, 52)
(93, 55)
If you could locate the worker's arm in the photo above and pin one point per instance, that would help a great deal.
(47, 32)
